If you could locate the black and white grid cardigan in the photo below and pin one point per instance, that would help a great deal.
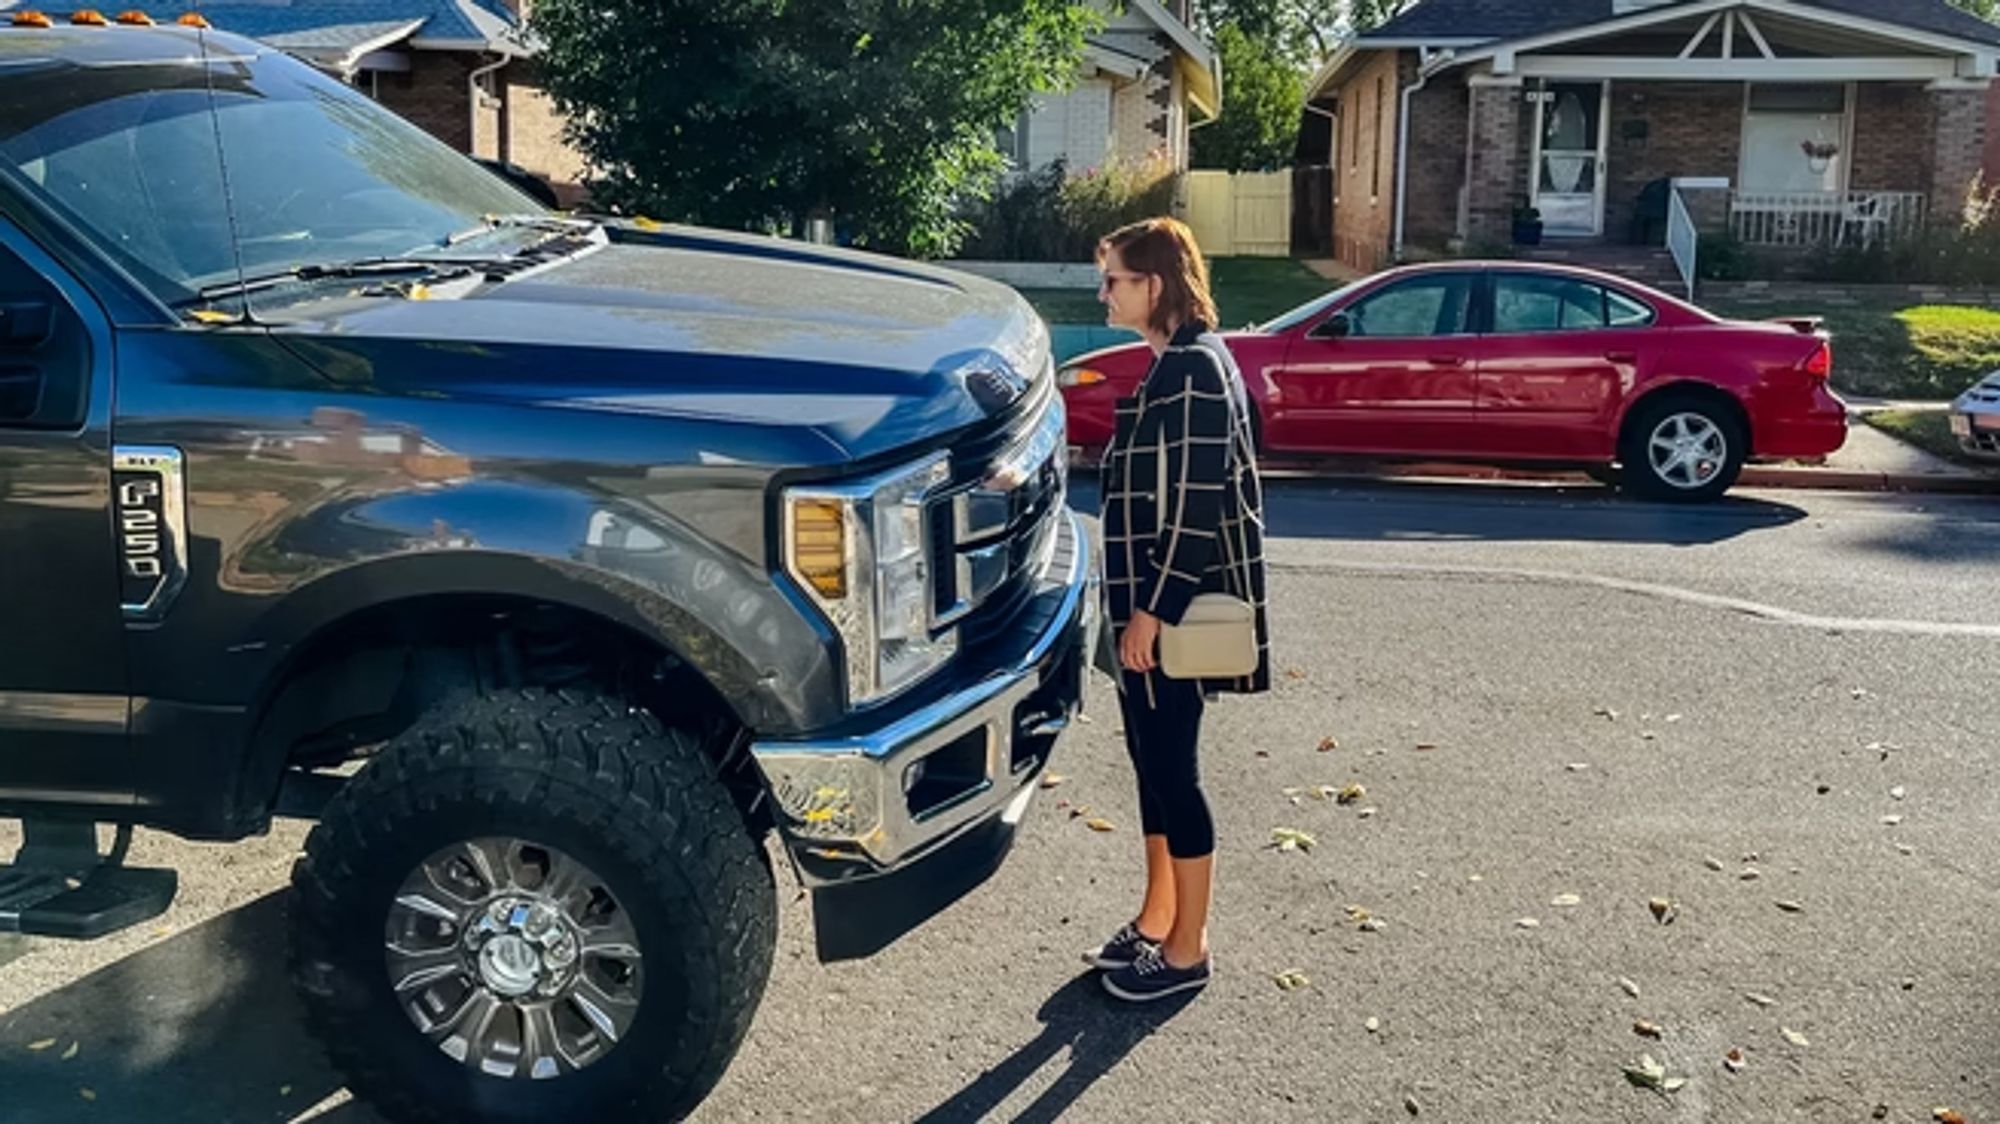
(1183, 509)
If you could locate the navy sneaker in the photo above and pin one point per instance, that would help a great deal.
(1151, 977)
(1121, 950)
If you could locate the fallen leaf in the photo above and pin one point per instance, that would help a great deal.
(1947, 1116)
(284, 1090)
(72, 1051)
(1291, 981)
(1291, 792)
(1647, 735)
(1365, 814)
(1373, 1024)
(1906, 849)
(1099, 824)
(1475, 878)
(1673, 718)
(1712, 864)
(1646, 1073)
(1860, 692)
(1358, 913)
(87, 1094)
(1328, 744)
(1631, 988)
(1793, 1036)
(1350, 794)
(1663, 910)
(1324, 792)
(1674, 1084)
(1791, 907)
(1077, 810)
(1891, 820)
(1577, 766)
(1606, 712)
(1881, 1112)
(1050, 780)
(1426, 747)
(1411, 1106)
(1563, 901)
(1262, 753)
(41, 1044)
(1750, 875)
(1292, 839)
(1759, 1000)
(1733, 1060)
(1897, 793)
(1646, 1029)
(1528, 923)
(1294, 673)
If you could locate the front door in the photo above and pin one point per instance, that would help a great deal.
(1569, 158)
(1400, 381)
(63, 703)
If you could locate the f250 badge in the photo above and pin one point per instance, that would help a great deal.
(148, 495)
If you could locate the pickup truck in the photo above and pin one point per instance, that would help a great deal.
(580, 578)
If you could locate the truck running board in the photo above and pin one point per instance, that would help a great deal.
(59, 886)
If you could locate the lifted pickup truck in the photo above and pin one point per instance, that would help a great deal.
(553, 565)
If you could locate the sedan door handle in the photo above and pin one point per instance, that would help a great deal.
(1448, 360)
(1622, 356)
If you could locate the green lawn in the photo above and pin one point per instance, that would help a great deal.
(1918, 352)
(1929, 430)
(1247, 291)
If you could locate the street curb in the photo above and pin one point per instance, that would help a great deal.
(1754, 476)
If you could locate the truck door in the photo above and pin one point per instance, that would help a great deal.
(63, 700)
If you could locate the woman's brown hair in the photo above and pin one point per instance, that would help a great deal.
(1165, 248)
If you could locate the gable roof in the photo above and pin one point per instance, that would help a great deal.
(1459, 21)
(336, 32)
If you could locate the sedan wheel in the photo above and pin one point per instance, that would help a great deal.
(1682, 448)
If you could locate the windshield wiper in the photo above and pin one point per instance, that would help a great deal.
(490, 223)
(364, 267)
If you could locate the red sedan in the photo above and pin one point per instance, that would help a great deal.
(1516, 363)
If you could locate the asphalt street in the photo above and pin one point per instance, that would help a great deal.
(1778, 715)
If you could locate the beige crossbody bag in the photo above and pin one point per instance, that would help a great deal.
(1217, 636)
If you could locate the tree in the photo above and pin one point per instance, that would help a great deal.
(1308, 30)
(1984, 9)
(1263, 95)
(758, 114)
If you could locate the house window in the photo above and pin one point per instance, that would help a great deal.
(1013, 143)
(1795, 138)
(1375, 182)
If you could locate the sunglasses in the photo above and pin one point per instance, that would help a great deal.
(1113, 275)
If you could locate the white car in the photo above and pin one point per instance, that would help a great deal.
(1975, 418)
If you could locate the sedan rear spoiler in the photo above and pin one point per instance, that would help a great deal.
(1803, 325)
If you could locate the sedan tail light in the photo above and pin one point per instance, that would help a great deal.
(1820, 363)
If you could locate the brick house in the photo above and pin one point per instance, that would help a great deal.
(463, 70)
(1147, 80)
(1787, 123)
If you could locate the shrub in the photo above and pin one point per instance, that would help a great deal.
(1050, 215)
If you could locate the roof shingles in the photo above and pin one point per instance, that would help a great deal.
(333, 23)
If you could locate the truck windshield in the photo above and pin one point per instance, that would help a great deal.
(317, 173)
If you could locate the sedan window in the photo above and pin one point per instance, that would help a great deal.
(1535, 303)
(1429, 306)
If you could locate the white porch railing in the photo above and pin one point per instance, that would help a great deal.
(1818, 218)
(1683, 238)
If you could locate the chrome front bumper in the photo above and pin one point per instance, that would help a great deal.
(872, 802)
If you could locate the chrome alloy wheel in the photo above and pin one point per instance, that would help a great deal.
(513, 958)
(1687, 450)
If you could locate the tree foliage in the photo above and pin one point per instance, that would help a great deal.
(757, 114)
(1263, 95)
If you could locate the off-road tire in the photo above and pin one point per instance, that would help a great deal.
(637, 803)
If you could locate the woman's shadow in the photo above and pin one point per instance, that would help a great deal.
(1098, 1031)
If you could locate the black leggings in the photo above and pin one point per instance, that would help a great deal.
(1162, 739)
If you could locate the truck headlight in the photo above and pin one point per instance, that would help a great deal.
(862, 552)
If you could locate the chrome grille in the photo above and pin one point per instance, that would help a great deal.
(995, 532)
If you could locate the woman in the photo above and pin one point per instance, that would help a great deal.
(1182, 512)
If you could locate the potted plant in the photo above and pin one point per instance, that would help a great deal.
(1527, 226)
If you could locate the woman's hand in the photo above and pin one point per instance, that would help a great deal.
(1136, 646)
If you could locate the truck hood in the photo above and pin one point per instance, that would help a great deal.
(873, 354)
